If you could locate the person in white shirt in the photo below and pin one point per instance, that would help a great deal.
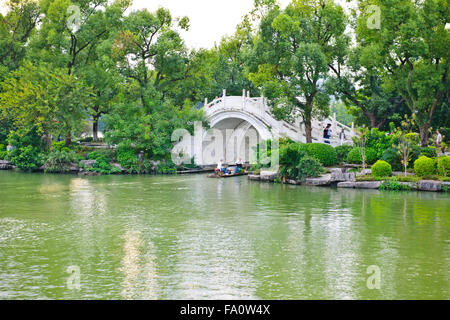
(239, 163)
(438, 139)
(220, 166)
(342, 136)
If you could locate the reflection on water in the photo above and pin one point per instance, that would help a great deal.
(189, 237)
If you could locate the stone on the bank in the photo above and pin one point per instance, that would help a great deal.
(255, 177)
(364, 172)
(5, 165)
(368, 184)
(74, 168)
(341, 175)
(412, 185)
(268, 176)
(118, 166)
(324, 180)
(430, 185)
(87, 163)
(346, 184)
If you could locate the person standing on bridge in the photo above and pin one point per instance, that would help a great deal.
(327, 134)
(342, 136)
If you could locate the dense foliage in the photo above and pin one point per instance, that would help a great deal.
(325, 153)
(424, 166)
(355, 156)
(381, 169)
(131, 71)
(342, 152)
(443, 166)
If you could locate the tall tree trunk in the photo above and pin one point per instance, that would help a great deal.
(68, 139)
(373, 120)
(95, 123)
(424, 134)
(95, 129)
(308, 130)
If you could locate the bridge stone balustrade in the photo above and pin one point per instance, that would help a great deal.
(245, 121)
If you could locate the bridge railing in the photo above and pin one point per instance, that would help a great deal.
(258, 107)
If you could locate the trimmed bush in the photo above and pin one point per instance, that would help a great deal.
(309, 167)
(443, 166)
(424, 166)
(354, 156)
(342, 152)
(381, 169)
(325, 153)
(429, 152)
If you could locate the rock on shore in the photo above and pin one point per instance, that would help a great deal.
(6, 165)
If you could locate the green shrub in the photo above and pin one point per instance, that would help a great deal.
(443, 166)
(402, 178)
(381, 169)
(166, 168)
(26, 158)
(354, 156)
(57, 146)
(342, 152)
(378, 141)
(290, 156)
(325, 153)
(394, 186)
(126, 156)
(368, 178)
(60, 161)
(309, 167)
(392, 156)
(424, 166)
(106, 155)
(415, 137)
(429, 152)
(3, 152)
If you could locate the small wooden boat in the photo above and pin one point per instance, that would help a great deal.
(220, 174)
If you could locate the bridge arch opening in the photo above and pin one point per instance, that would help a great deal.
(239, 134)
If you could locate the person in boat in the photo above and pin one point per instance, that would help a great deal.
(220, 167)
(239, 163)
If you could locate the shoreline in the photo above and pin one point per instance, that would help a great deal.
(341, 178)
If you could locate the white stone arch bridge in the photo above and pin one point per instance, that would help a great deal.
(238, 123)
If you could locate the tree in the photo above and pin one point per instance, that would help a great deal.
(410, 52)
(294, 48)
(49, 102)
(151, 52)
(16, 28)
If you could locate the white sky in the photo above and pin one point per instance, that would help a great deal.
(210, 20)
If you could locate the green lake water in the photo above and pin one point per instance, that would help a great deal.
(190, 237)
